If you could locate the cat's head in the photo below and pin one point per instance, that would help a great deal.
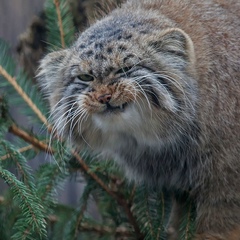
(116, 79)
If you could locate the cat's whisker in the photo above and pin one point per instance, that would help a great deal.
(69, 118)
(83, 118)
(175, 83)
(58, 127)
(141, 90)
(135, 99)
(155, 84)
(79, 111)
(65, 118)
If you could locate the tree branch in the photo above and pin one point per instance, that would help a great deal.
(57, 5)
(121, 201)
(44, 147)
(30, 139)
(84, 227)
(122, 231)
(20, 91)
(21, 150)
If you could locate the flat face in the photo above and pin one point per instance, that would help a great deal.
(121, 77)
(114, 80)
(125, 89)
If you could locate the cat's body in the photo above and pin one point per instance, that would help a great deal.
(162, 97)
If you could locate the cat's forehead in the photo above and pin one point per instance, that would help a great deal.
(110, 30)
(107, 45)
(100, 58)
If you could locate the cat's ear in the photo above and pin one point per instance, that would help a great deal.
(175, 43)
(48, 71)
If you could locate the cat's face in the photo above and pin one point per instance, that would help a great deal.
(119, 83)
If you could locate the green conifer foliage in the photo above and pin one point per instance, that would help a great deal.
(29, 208)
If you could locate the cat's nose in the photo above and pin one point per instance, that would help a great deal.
(105, 98)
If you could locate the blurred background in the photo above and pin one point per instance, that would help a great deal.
(22, 26)
(16, 16)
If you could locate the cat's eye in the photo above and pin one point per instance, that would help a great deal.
(85, 77)
(124, 70)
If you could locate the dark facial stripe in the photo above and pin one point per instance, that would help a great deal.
(74, 89)
(150, 90)
(167, 85)
(130, 72)
(162, 80)
(154, 97)
(151, 93)
(127, 58)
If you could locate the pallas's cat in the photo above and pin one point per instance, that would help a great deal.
(155, 85)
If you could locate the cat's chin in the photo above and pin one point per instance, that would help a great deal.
(117, 119)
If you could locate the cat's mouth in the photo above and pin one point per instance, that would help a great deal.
(114, 109)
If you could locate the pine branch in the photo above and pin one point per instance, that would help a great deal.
(187, 226)
(23, 94)
(59, 24)
(148, 214)
(59, 17)
(20, 150)
(44, 147)
(27, 201)
(187, 229)
(76, 220)
(49, 175)
(30, 139)
(126, 206)
(188, 232)
(121, 231)
(161, 214)
(21, 163)
(101, 230)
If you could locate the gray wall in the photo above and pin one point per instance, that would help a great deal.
(15, 16)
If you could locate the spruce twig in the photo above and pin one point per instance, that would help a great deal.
(105, 230)
(30, 139)
(126, 206)
(102, 230)
(187, 229)
(160, 228)
(148, 214)
(20, 91)
(44, 147)
(26, 201)
(59, 24)
(57, 5)
(20, 150)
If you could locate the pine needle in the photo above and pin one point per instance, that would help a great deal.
(32, 211)
(57, 5)
(20, 91)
